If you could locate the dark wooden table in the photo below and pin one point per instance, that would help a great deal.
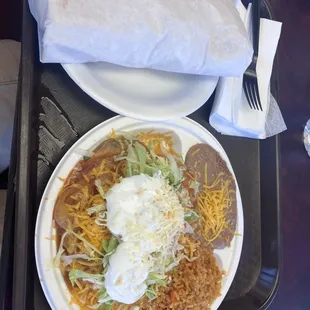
(294, 99)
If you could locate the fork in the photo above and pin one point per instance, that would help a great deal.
(250, 84)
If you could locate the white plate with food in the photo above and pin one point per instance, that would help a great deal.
(140, 216)
(144, 94)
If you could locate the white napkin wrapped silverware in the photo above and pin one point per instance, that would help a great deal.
(231, 113)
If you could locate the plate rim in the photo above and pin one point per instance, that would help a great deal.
(69, 68)
(235, 259)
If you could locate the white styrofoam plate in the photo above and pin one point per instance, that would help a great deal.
(142, 94)
(186, 134)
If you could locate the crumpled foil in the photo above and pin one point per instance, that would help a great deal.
(307, 137)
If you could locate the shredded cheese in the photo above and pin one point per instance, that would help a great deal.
(195, 152)
(157, 140)
(213, 203)
(112, 135)
(190, 245)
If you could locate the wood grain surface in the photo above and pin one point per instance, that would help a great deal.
(294, 100)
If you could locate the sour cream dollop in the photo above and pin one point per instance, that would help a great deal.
(145, 210)
(127, 272)
(147, 216)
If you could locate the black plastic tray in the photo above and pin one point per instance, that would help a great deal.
(47, 94)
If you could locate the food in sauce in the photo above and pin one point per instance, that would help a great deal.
(133, 217)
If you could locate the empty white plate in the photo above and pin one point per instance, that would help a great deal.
(142, 94)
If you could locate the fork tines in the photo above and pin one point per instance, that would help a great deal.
(250, 86)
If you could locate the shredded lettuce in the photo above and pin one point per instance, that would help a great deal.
(112, 244)
(86, 243)
(169, 261)
(142, 155)
(133, 163)
(67, 259)
(109, 246)
(155, 278)
(107, 306)
(178, 185)
(85, 153)
(175, 170)
(150, 293)
(195, 186)
(104, 297)
(101, 306)
(175, 262)
(150, 145)
(96, 306)
(105, 245)
(140, 161)
(164, 261)
(119, 158)
(100, 188)
(188, 229)
(105, 302)
(60, 249)
(75, 274)
(130, 160)
(184, 197)
(190, 216)
(96, 209)
(126, 135)
(132, 156)
(128, 169)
